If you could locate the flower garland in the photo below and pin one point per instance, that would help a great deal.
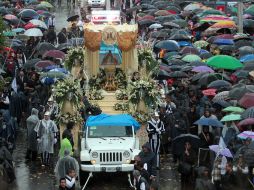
(123, 106)
(67, 117)
(72, 54)
(67, 90)
(143, 90)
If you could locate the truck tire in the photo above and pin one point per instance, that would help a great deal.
(83, 177)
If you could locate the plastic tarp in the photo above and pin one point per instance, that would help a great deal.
(112, 120)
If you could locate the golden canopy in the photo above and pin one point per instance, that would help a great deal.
(124, 36)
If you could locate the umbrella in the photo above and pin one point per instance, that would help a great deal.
(44, 63)
(209, 92)
(247, 58)
(233, 109)
(231, 117)
(191, 58)
(182, 23)
(221, 96)
(200, 69)
(189, 50)
(155, 26)
(224, 62)
(10, 17)
(245, 122)
(210, 12)
(39, 23)
(241, 74)
(244, 50)
(169, 45)
(251, 73)
(53, 74)
(9, 34)
(31, 63)
(239, 90)
(28, 13)
(73, 18)
(159, 35)
(46, 4)
(171, 24)
(179, 37)
(208, 122)
(248, 66)
(221, 151)
(161, 13)
(54, 53)
(201, 44)
(44, 46)
(247, 100)
(187, 68)
(224, 24)
(35, 32)
(220, 41)
(18, 30)
(246, 134)
(64, 46)
(248, 113)
(221, 103)
(242, 43)
(218, 84)
(184, 43)
(162, 75)
(48, 80)
(192, 6)
(62, 70)
(178, 74)
(146, 22)
(179, 142)
(206, 55)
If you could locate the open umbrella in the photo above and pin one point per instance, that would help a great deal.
(28, 13)
(155, 26)
(178, 74)
(241, 74)
(184, 43)
(246, 134)
(46, 4)
(191, 58)
(231, 117)
(244, 50)
(10, 17)
(189, 50)
(247, 58)
(33, 32)
(221, 96)
(31, 63)
(200, 69)
(44, 63)
(247, 100)
(179, 37)
(218, 84)
(221, 104)
(54, 74)
(18, 30)
(248, 113)
(224, 62)
(208, 122)
(220, 41)
(245, 122)
(9, 34)
(159, 35)
(239, 90)
(179, 142)
(73, 18)
(162, 75)
(54, 53)
(39, 23)
(44, 46)
(221, 151)
(169, 45)
(233, 109)
(248, 66)
(209, 92)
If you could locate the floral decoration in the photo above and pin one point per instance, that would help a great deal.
(123, 106)
(121, 94)
(120, 79)
(67, 117)
(141, 117)
(95, 94)
(72, 54)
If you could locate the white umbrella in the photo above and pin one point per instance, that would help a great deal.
(35, 32)
(155, 26)
(39, 23)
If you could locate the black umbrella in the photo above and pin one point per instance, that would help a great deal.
(64, 46)
(239, 90)
(162, 75)
(166, 18)
(244, 50)
(179, 142)
(218, 84)
(248, 66)
(248, 113)
(205, 55)
(221, 103)
(176, 62)
(241, 74)
(227, 48)
(150, 11)
(44, 46)
(175, 67)
(146, 22)
(242, 43)
(16, 22)
(159, 35)
(72, 18)
(179, 37)
(147, 6)
(31, 63)
(171, 25)
(197, 63)
(178, 74)
(28, 13)
(187, 68)
(197, 76)
(201, 26)
(4, 11)
(167, 45)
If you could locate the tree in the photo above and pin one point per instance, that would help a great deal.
(2, 27)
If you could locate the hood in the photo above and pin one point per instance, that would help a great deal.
(110, 143)
(34, 112)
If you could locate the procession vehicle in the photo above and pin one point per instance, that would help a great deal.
(96, 4)
(109, 144)
(106, 16)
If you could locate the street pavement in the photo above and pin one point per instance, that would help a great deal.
(33, 177)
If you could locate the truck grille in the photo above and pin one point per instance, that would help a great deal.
(111, 157)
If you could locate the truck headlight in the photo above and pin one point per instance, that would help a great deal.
(95, 154)
(128, 161)
(93, 162)
(126, 154)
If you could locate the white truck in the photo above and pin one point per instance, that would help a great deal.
(109, 144)
(96, 4)
(106, 16)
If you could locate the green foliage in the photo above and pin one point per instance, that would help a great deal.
(72, 54)
(2, 28)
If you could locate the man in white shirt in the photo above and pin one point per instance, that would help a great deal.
(70, 179)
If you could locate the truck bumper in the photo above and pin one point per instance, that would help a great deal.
(107, 168)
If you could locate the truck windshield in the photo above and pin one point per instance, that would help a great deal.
(111, 131)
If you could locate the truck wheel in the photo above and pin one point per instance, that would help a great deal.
(83, 177)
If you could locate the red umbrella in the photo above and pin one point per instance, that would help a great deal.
(10, 17)
(29, 25)
(54, 53)
(248, 121)
(209, 92)
(44, 63)
(247, 100)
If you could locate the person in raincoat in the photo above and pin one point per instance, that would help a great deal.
(46, 131)
(64, 164)
(31, 123)
(65, 145)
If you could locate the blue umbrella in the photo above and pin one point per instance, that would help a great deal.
(202, 51)
(209, 122)
(48, 80)
(169, 45)
(221, 41)
(48, 68)
(247, 58)
(62, 70)
(18, 30)
(184, 43)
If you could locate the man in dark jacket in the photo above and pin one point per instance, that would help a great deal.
(229, 180)
(62, 36)
(51, 36)
(148, 158)
(67, 133)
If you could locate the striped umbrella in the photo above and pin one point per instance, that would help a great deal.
(248, 113)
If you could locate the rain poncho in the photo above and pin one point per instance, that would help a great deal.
(31, 123)
(65, 145)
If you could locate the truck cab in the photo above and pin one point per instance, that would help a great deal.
(96, 4)
(106, 16)
(109, 144)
